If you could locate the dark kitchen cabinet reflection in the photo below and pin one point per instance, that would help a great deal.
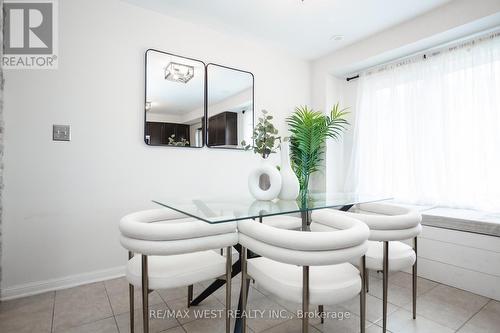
(158, 133)
(223, 129)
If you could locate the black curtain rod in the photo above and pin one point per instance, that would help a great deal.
(431, 52)
(424, 56)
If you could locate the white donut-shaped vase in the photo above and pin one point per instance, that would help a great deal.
(274, 178)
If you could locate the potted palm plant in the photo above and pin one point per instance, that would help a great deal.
(309, 131)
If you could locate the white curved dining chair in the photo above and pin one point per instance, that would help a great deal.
(389, 225)
(283, 222)
(326, 276)
(174, 251)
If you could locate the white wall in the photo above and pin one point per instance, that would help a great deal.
(164, 117)
(231, 103)
(63, 200)
(454, 20)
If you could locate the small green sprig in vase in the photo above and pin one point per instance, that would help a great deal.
(265, 142)
(265, 137)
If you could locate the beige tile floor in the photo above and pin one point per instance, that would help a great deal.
(103, 307)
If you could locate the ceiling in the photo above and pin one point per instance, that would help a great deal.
(304, 28)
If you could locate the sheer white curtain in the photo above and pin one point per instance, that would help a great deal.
(427, 131)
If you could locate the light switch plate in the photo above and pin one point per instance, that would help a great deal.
(61, 133)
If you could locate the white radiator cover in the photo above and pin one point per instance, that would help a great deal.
(460, 259)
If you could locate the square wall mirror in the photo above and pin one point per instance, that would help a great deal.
(230, 100)
(175, 100)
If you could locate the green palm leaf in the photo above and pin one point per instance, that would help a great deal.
(309, 131)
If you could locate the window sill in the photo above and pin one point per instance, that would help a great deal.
(460, 219)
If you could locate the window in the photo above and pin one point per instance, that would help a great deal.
(427, 130)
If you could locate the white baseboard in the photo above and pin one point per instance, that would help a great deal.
(39, 287)
(461, 278)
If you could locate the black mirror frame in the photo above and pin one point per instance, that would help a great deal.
(205, 139)
(205, 101)
(145, 99)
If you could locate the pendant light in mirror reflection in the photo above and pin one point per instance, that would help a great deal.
(179, 72)
(174, 101)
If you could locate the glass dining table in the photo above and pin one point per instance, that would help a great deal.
(221, 210)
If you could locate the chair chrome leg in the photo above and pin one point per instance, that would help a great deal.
(367, 279)
(190, 295)
(385, 281)
(321, 310)
(228, 288)
(145, 301)
(131, 299)
(362, 294)
(305, 299)
(244, 282)
(414, 273)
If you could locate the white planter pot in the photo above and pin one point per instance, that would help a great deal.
(258, 188)
(290, 187)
